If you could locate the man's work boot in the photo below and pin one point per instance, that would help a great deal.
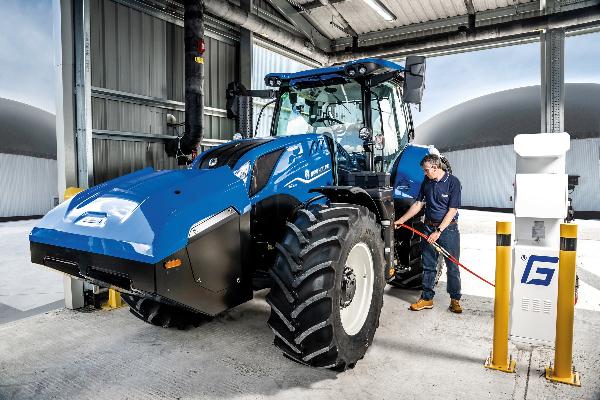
(455, 306)
(422, 304)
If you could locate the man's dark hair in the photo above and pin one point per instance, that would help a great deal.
(432, 159)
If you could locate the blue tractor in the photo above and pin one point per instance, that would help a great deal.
(307, 212)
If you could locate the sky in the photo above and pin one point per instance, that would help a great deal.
(454, 79)
(27, 53)
(27, 63)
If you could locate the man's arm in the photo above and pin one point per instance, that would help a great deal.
(411, 212)
(448, 218)
(443, 225)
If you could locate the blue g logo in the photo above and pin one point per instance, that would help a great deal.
(549, 272)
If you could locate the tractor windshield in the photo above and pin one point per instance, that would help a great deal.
(335, 108)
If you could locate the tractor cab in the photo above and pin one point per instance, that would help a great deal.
(359, 105)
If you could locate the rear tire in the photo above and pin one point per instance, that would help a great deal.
(409, 267)
(161, 314)
(328, 286)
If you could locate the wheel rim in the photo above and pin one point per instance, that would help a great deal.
(355, 300)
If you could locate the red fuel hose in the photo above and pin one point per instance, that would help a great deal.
(450, 257)
(445, 253)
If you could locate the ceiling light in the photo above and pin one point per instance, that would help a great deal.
(381, 9)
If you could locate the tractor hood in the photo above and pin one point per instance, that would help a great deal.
(144, 216)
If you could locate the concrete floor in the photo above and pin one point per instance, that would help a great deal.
(432, 354)
(25, 289)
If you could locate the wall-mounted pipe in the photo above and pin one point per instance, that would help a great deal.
(193, 36)
(235, 15)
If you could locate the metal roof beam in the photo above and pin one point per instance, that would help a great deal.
(518, 12)
(302, 24)
(235, 15)
(317, 4)
(511, 31)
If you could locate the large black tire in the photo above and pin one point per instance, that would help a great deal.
(307, 294)
(161, 314)
(409, 267)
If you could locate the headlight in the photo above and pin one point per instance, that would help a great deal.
(362, 70)
(351, 72)
(243, 172)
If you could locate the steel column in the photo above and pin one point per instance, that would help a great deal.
(83, 94)
(66, 146)
(552, 43)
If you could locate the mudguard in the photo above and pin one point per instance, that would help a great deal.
(407, 175)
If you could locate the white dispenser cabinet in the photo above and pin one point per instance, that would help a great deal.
(540, 208)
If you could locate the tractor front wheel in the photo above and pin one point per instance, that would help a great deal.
(328, 286)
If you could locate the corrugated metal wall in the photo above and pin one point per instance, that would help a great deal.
(487, 174)
(265, 61)
(29, 185)
(584, 160)
(138, 78)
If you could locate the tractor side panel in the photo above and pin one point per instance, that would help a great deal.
(407, 175)
(211, 278)
(303, 165)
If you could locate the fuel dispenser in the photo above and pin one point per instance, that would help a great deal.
(540, 207)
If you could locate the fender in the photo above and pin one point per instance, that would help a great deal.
(379, 201)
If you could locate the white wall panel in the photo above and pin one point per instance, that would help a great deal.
(28, 185)
(265, 61)
(487, 174)
(584, 160)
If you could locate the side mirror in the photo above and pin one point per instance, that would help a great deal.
(234, 90)
(414, 79)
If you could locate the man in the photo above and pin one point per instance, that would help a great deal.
(440, 194)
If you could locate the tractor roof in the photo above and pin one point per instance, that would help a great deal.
(352, 69)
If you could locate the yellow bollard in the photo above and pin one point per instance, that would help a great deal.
(71, 191)
(499, 359)
(114, 299)
(563, 370)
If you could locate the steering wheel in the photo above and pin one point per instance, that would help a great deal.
(328, 118)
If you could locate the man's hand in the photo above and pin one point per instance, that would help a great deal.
(434, 237)
(398, 223)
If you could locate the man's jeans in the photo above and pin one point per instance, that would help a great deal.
(450, 240)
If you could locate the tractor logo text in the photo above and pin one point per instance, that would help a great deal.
(315, 172)
(544, 274)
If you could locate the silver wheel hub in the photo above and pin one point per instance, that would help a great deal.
(356, 288)
(348, 287)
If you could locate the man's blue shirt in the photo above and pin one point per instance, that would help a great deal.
(440, 196)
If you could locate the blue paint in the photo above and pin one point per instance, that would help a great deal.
(334, 71)
(548, 272)
(409, 174)
(141, 217)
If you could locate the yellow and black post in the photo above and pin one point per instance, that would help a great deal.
(114, 299)
(563, 370)
(499, 359)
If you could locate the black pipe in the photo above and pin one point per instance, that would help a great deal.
(193, 34)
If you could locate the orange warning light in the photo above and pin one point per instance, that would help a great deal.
(172, 263)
